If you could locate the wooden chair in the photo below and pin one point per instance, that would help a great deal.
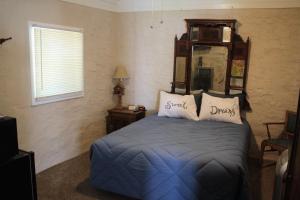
(284, 140)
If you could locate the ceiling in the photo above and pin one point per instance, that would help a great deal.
(146, 5)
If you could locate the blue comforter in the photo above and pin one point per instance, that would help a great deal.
(173, 159)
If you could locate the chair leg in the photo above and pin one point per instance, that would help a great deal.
(262, 149)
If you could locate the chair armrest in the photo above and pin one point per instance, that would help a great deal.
(289, 135)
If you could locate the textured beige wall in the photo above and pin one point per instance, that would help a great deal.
(56, 131)
(274, 71)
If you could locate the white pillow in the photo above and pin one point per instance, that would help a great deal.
(174, 105)
(220, 109)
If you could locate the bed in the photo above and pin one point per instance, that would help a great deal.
(173, 159)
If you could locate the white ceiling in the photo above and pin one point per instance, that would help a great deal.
(146, 5)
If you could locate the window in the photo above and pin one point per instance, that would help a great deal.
(56, 63)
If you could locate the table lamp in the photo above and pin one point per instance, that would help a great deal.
(120, 75)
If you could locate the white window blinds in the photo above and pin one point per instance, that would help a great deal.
(57, 64)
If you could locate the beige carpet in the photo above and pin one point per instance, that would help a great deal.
(69, 181)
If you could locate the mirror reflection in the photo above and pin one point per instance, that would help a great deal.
(180, 75)
(209, 65)
(180, 69)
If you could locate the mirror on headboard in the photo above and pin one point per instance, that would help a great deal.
(209, 66)
(180, 74)
(211, 57)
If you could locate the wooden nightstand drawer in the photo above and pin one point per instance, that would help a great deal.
(118, 118)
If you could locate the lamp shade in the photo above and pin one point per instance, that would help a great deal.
(120, 73)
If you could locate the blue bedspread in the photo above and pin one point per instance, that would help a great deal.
(173, 159)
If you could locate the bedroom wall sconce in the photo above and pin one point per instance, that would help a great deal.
(120, 75)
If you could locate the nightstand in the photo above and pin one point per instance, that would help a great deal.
(118, 118)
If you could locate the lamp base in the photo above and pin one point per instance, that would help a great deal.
(119, 105)
(119, 90)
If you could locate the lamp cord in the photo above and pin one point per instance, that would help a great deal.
(152, 14)
(161, 11)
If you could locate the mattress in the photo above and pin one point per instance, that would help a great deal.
(173, 159)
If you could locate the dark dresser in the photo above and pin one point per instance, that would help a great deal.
(118, 118)
(18, 177)
(17, 168)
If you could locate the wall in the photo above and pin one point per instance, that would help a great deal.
(56, 131)
(59, 131)
(273, 78)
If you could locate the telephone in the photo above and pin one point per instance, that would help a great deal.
(136, 108)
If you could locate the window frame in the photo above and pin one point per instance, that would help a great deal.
(54, 98)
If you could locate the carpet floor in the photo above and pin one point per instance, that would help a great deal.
(69, 181)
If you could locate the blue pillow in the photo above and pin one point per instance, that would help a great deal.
(198, 100)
